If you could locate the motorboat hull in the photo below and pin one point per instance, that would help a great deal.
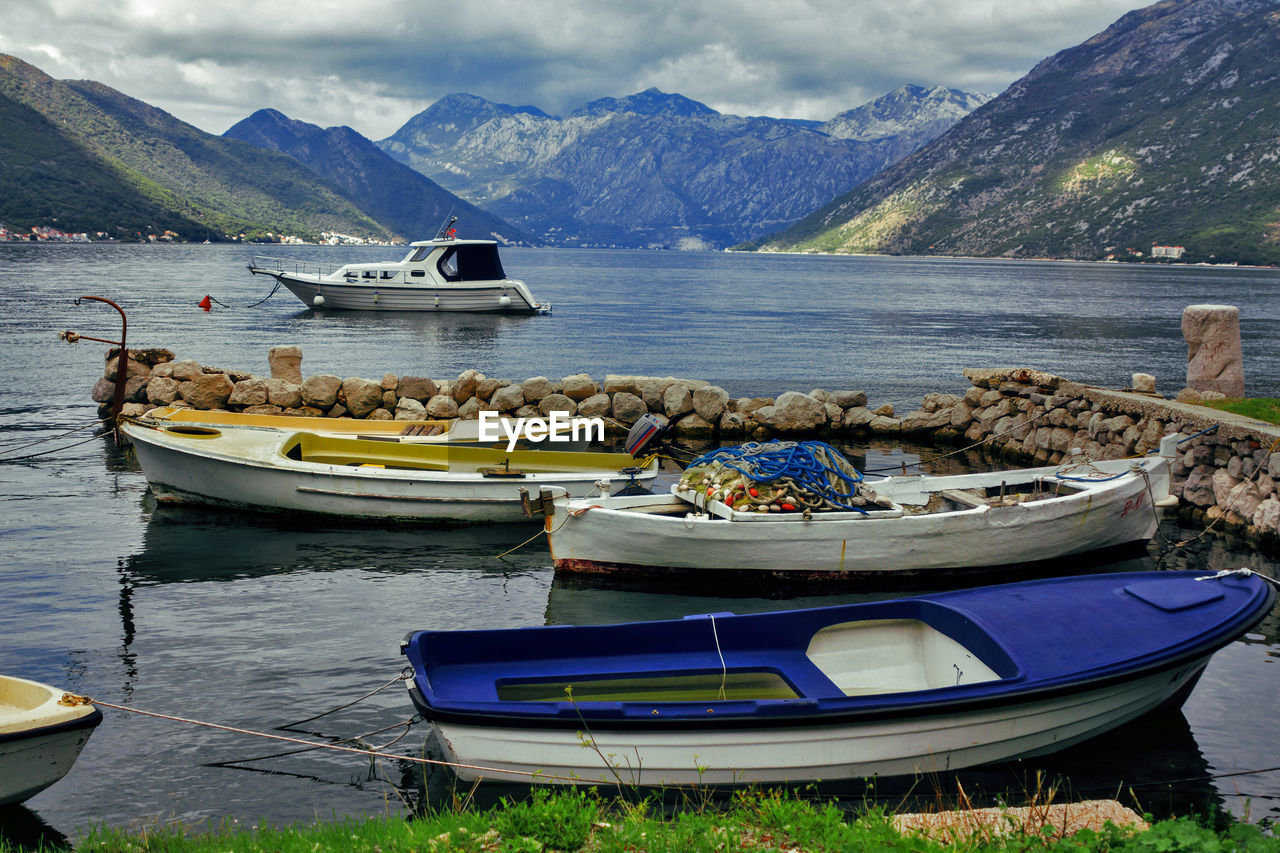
(658, 533)
(507, 297)
(185, 468)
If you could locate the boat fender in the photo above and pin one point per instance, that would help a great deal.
(375, 297)
(437, 300)
(504, 300)
(317, 300)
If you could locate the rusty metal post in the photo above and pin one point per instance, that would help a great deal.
(122, 359)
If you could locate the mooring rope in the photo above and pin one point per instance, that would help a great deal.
(253, 305)
(4, 457)
(74, 699)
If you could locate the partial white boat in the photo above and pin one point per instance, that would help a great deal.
(360, 477)
(921, 524)
(40, 736)
(443, 274)
(888, 688)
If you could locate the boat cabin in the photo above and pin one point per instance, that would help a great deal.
(446, 260)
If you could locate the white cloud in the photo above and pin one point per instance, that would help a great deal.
(373, 65)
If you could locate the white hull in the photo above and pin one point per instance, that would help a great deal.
(179, 470)
(406, 297)
(905, 746)
(39, 738)
(622, 535)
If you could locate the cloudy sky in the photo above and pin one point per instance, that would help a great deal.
(373, 65)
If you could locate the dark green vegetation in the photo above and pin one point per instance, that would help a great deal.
(80, 156)
(1263, 408)
(578, 820)
(1159, 131)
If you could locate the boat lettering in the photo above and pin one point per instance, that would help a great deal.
(1132, 504)
(560, 427)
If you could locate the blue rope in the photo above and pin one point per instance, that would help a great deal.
(805, 462)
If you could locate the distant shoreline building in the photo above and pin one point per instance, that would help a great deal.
(1173, 253)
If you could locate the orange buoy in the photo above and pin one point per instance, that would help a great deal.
(206, 303)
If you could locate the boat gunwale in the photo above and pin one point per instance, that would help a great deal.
(84, 721)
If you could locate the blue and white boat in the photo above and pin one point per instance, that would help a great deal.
(913, 685)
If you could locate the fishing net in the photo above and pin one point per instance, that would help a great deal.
(781, 476)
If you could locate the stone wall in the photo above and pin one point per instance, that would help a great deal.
(1227, 476)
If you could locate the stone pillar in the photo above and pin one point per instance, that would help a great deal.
(286, 363)
(1214, 358)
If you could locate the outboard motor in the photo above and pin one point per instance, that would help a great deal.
(645, 436)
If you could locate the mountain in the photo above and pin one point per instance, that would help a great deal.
(92, 158)
(1160, 130)
(660, 169)
(404, 200)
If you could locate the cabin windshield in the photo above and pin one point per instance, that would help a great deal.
(419, 254)
(471, 263)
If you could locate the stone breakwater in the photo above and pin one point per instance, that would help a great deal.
(1227, 477)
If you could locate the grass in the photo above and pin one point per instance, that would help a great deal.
(1263, 408)
(582, 820)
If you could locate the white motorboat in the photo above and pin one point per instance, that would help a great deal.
(918, 524)
(442, 274)
(390, 478)
(41, 735)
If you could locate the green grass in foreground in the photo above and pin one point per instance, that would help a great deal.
(579, 820)
(1263, 408)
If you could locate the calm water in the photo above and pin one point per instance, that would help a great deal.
(255, 623)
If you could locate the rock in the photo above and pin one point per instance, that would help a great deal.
(710, 402)
(442, 406)
(1273, 466)
(409, 409)
(923, 420)
(536, 388)
(849, 399)
(1267, 515)
(263, 409)
(694, 425)
(420, 388)
(557, 403)
(485, 387)
(131, 368)
(470, 409)
(961, 415)
(1143, 383)
(186, 370)
(857, 418)
(161, 390)
(614, 383)
(507, 398)
(734, 424)
(650, 389)
(627, 407)
(286, 363)
(282, 393)
(1223, 483)
(937, 401)
(337, 410)
(595, 406)
(885, 425)
(885, 411)
(361, 396)
(677, 401)
(528, 411)
(380, 414)
(1243, 499)
(1198, 490)
(390, 382)
(248, 392)
(751, 405)
(579, 387)
(208, 391)
(134, 410)
(793, 412)
(321, 390)
(1214, 358)
(464, 388)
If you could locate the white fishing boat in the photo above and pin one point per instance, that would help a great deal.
(917, 524)
(889, 688)
(41, 735)
(364, 477)
(442, 274)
